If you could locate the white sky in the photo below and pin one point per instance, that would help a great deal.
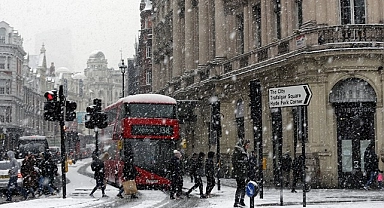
(80, 187)
(87, 25)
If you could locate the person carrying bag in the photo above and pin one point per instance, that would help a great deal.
(129, 174)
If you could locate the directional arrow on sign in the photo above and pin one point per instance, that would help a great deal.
(289, 96)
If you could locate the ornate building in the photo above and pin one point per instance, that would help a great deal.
(204, 50)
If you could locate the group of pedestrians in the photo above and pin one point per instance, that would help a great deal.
(38, 175)
(199, 167)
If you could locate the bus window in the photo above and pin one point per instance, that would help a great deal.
(151, 110)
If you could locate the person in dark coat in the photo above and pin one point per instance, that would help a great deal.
(371, 165)
(210, 173)
(240, 165)
(286, 165)
(13, 171)
(48, 171)
(30, 175)
(97, 166)
(129, 173)
(176, 175)
(192, 165)
(297, 170)
(198, 174)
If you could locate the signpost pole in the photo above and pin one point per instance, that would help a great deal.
(62, 134)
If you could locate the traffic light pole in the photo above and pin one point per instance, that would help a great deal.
(97, 141)
(63, 151)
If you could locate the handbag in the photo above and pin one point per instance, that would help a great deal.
(130, 187)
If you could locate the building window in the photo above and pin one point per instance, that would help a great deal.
(299, 7)
(257, 27)
(240, 33)
(148, 78)
(4, 86)
(352, 11)
(2, 35)
(278, 18)
(148, 51)
(6, 114)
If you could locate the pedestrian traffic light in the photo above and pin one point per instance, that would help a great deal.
(70, 113)
(51, 106)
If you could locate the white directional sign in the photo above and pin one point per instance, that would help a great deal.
(289, 96)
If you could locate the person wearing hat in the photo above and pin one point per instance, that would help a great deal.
(240, 165)
(176, 175)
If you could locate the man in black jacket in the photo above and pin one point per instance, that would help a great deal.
(129, 173)
(197, 174)
(240, 169)
(97, 166)
(210, 173)
(176, 175)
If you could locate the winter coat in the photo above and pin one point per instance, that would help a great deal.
(286, 163)
(192, 165)
(199, 169)
(15, 166)
(175, 168)
(209, 168)
(129, 171)
(29, 173)
(97, 166)
(240, 162)
(297, 166)
(48, 168)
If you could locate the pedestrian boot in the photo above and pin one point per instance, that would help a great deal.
(242, 202)
(202, 196)
(236, 203)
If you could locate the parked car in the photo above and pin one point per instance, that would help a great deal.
(5, 166)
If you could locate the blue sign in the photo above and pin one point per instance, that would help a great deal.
(252, 189)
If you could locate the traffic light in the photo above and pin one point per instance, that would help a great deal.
(90, 117)
(95, 117)
(70, 113)
(51, 106)
(216, 117)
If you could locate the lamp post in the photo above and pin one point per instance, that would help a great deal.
(122, 69)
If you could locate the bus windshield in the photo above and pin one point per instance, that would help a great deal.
(140, 110)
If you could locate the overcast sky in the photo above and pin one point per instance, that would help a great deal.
(72, 29)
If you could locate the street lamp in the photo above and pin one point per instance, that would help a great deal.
(122, 69)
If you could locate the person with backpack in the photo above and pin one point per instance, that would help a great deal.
(97, 166)
(198, 173)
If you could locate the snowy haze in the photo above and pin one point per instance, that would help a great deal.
(80, 186)
(72, 29)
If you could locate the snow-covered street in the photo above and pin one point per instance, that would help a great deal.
(80, 186)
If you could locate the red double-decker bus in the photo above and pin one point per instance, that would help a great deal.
(143, 127)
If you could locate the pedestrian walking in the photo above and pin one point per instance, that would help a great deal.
(13, 171)
(240, 165)
(30, 175)
(297, 170)
(371, 165)
(129, 173)
(48, 171)
(176, 175)
(191, 165)
(198, 173)
(210, 173)
(97, 166)
(286, 165)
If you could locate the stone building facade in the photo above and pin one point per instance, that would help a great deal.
(204, 50)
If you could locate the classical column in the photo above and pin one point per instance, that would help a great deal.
(189, 35)
(220, 34)
(203, 32)
(177, 42)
